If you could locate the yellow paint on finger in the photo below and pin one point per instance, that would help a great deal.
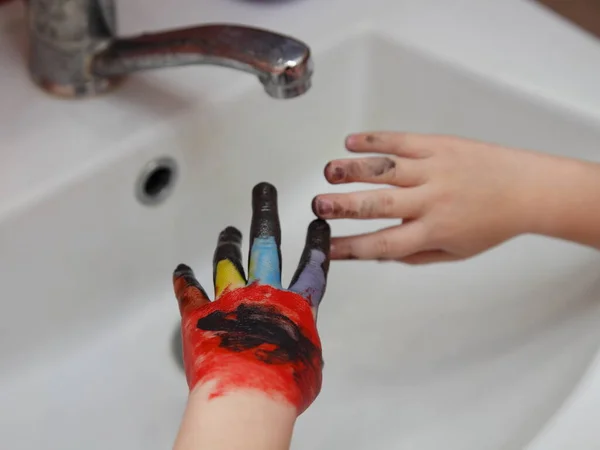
(227, 277)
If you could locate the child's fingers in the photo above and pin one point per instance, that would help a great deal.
(310, 278)
(264, 265)
(189, 293)
(228, 272)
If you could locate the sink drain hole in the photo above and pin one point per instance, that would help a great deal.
(156, 181)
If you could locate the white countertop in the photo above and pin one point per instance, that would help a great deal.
(45, 142)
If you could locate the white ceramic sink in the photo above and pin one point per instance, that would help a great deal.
(482, 354)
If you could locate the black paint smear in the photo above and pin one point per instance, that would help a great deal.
(250, 326)
(382, 166)
(229, 246)
(265, 216)
(318, 237)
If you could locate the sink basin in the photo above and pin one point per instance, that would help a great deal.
(473, 355)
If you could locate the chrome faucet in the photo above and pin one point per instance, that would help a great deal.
(75, 51)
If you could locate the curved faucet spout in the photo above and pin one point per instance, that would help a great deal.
(282, 64)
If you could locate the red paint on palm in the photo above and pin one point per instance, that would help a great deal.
(255, 337)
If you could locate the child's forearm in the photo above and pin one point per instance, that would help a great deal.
(566, 204)
(240, 420)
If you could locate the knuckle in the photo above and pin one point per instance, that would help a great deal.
(402, 140)
(386, 205)
(383, 247)
(345, 207)
(345, 249)
(355, 170)
(367, 209)
(434, 234)
(383, 168)
(351, 253)
(441, 198)
(395, 172)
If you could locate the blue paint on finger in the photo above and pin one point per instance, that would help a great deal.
(264, 262)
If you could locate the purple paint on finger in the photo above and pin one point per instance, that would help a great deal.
(311, 281)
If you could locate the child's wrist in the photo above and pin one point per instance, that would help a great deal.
(209, 391)
(564, 193)
(241, 419)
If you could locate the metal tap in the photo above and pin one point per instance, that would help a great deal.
(75, 51)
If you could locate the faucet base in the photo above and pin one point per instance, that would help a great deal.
(89, 89)
(64, 37)
(63, 69)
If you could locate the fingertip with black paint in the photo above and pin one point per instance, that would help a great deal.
(230, 234)
(264, 259)
(228, 271)
(188, 291)
(319, 235)
(265, 214)
(182, 270)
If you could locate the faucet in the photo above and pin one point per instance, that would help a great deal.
(75, 50)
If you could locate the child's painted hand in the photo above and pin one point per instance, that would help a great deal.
(256, 335)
